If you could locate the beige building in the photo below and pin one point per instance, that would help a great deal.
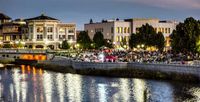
(166, 27)
(116, 30)
(113, 30)
(47, 32)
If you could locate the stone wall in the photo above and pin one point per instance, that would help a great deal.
(168, 68)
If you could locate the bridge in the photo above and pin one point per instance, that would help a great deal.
(25, 54)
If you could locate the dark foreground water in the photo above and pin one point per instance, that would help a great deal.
(28, 84)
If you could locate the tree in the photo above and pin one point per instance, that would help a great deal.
(7, 46)
(65, 45)
(98, 39)
(108, 43)
(160, 42)
(91, 21)
(84, 40)
(186, 36)
(133, 41)
(147, 36)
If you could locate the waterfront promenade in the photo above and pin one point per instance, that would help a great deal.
(169, 70)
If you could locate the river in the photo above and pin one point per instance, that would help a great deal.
(29, 84)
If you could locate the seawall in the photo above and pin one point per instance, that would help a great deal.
(124, 69)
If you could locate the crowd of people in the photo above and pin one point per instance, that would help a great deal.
(134, 56)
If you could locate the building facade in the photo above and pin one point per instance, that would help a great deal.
(113, 30)
(47, 32)
(3, 19)
(166, 27)
(116, 30)
(12, 31)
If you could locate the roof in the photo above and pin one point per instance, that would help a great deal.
(42, 17)
(3, 16)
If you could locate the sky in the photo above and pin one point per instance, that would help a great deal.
(81, 11)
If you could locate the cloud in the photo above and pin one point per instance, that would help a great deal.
(169, 4)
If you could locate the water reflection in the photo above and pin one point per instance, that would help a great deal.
(29, 84)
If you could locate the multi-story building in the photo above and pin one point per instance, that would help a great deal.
(166, 27)
(14, 31)
(47, 32)
(116, 30)
(3, 19)
(113, 30)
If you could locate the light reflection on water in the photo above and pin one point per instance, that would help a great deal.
(29, 84)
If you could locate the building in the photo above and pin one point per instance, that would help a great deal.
(14, 31)
(166, 27)
(47, 32)
(116, 30)
(3, 19)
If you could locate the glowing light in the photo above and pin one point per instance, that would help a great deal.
(101, 57)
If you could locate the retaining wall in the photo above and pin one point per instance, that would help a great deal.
(181, 69)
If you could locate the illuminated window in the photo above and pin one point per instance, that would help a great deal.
(121, 29)
(167, 41)
(120, 38)
(169, 31)
(118, 29)
(7, 38)
(62, 30)
(70, 31)
(50, 29)
(128, 30)
(155, 29)
(165, 30)
(125, 29)
(40, 29)
(127, 38)
(117, 38)
(159, 29)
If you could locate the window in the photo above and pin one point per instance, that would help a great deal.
(128, 30)
(70, 31)
(39, 37)
(120, 38)
(112, 30)
(120, 29)
(50, 29)
(155, 29)
(50, 37)
(117, 29)
(125, 29)
(117, 38)
(62, 36)
(165, 30)
(40, 29)
(71, 37)
(31, 29)
(127, 38)
(62, 30)
(159, 30)
(169, 31)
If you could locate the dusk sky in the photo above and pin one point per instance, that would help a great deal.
(80, 11)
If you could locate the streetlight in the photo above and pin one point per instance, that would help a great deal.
(142, 45)
(138, 46)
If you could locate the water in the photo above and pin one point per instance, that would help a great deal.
(28, 84)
